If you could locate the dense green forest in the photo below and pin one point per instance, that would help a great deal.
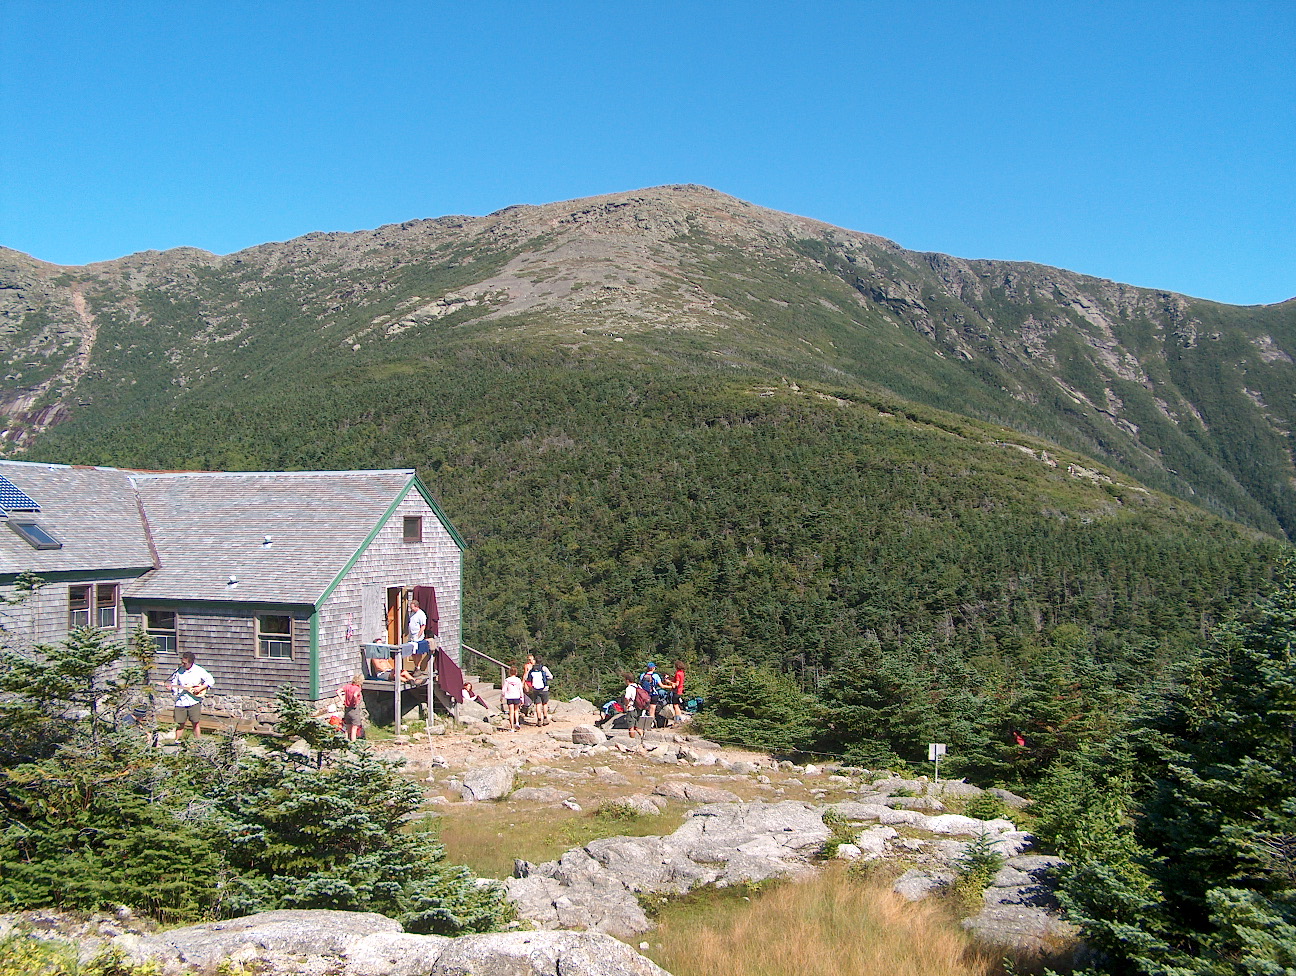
(917, 575)
(1180, 829)
(93, 816)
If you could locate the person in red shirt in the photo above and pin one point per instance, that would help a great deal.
(352, 696)
(677, 692)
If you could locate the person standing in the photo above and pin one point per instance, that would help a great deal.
(628, 697)
(650, 681)
(417, 624)
(512, 692)
(352, 695)
(678, 692)
(189, 684)
(539, 678)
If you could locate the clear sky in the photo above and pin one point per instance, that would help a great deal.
(1149, 142)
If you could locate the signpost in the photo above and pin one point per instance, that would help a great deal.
(934, 751)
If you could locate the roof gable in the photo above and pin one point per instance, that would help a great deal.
(239, 537)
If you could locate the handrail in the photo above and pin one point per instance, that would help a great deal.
(503, 668)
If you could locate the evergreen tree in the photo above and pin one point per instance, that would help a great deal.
(300, 834)
(1200, 879)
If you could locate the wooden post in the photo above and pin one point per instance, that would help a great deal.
(396, 685)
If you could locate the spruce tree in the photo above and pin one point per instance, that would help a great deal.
(1182, 833)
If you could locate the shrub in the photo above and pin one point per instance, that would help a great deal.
(986, 806)
(977, 866)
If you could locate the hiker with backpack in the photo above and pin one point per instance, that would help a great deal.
(538, 680)
(649, 695)
(630, 699)
(352, 701)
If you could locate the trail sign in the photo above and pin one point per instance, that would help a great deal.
(934, 751)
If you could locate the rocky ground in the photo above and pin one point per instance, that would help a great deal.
(745, 818)
(727, 817)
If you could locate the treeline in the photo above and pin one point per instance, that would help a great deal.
(863, 547)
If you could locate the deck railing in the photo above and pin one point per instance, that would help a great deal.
(503, 668)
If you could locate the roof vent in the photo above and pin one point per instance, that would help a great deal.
(267, 541)
(233, 581)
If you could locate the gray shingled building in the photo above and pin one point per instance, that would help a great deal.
(269, 578)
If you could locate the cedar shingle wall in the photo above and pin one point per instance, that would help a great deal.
(226, 645)
(436, 561)
(42, 618)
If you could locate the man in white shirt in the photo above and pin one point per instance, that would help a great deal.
(417, 622)
(189, 684)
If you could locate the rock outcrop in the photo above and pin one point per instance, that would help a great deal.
(315, 943)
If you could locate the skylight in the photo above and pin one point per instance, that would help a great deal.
(34, 535)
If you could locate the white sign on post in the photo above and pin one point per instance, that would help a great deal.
(934, 751)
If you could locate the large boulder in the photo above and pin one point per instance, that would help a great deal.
(587, 735)
(266, 936)
(695, 793)
(541, 794)
(542, 954)
(365, 944)
(487, 783)
(470, 711)
(551, 904)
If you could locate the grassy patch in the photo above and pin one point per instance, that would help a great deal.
(826, 926)
(488, 837)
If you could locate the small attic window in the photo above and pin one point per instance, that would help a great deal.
(34, 535)
(413, 529)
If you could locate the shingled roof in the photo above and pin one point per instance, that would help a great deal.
(282, 537)
(92, 511)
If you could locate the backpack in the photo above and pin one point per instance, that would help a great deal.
(642, 698)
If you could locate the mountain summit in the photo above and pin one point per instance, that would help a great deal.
(1189, 396)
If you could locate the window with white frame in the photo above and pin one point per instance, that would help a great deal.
(163, 627)
(274, 636)
(93, 604)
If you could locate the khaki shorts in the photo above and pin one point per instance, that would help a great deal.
(188, 713)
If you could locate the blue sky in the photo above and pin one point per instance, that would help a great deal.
(1153, 143)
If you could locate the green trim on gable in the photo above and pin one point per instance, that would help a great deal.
(427, 497)
(414, 482)
(315, 656)
(355, 556)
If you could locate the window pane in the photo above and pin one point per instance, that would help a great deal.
(274, 636)
(166, 643)
(274, 625)
(160, 619)
(276, 648)
(78, 606)
(107, 617)
(413, 528)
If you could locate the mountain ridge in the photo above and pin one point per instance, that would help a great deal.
(1190, 396)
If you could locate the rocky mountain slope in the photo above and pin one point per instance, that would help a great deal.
(1189, 396)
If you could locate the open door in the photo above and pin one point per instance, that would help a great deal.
(395, 613)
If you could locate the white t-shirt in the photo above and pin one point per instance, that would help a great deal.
(418, 623)
(191, 678)
(630, 693)
(512, 689)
